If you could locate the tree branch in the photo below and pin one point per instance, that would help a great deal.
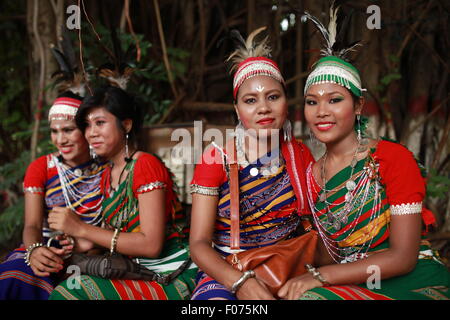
(164, 50)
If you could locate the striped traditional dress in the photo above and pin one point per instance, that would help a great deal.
(120, 210)
(17, 280)
(269, 207)
(388, 182)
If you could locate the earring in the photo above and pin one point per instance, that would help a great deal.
(127, 155)
(312, 139)
(92, 152)
(287, 130)
(362, 141)
(239, 133)
(358, 120)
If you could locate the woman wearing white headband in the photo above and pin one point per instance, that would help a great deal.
(366, 199)
(271, 179)
(64, 180)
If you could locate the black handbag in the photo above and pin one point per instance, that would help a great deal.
(119, 266)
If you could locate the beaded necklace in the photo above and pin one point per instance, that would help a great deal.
(74, 195)
(368, 187)
(269, 168)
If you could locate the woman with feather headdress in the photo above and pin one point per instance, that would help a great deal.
(142, 216)
(143, 219)
(271, 178)
(365, 197)
(66, 180)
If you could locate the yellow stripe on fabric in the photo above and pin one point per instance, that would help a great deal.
(260, 213)
(244, 188)
(65, 293)
(368, 232)
(250, 227)
(88, 196)
(91, 288)
(273, 203)
(72, 182)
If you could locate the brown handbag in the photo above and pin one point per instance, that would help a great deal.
(274, 264)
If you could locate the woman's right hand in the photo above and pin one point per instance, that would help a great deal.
(254, 289)
(46, 260)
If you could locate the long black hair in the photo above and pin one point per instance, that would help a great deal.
(116, 101)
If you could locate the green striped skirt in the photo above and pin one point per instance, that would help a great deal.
(86, 287)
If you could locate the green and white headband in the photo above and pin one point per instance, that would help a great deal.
(332, 69)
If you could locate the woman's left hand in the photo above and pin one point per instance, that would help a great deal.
(63, 219)
(294, 288)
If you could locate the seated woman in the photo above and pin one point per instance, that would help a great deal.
(64, 180)
(271, 180)
(366, 199)
(141, 212)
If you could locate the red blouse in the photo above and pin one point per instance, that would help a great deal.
(149, 174)
(401, 177)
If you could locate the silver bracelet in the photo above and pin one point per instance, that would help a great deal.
(247, 275)
(30, 250)
(316, 274)
(114, 241)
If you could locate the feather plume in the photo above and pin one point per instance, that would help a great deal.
(323, 30)
(118, 71)
(332, 25)
(334, 41)
(248, 48)
(67, 78)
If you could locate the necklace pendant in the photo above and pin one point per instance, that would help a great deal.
(274, 169)
(254, 172)
(323, 197)
(265, 172)
(364, 141)
(330, 217)
(362, 149)
(337, 224)
(353, 163)
(348, 197)
(78, 172)
(350, 185)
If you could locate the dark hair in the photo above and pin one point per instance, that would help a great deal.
(116, 101)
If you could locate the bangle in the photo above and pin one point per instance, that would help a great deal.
(316, 274)
(30, 250)
(71, 240)
(114, 241)
(247, 274)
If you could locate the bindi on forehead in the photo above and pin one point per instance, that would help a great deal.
(259, 88)
(96, 115)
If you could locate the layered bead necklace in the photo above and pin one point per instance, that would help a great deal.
(360, 189)
(69, 180)
(269, 168)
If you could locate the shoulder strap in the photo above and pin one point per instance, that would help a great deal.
(234, 199)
